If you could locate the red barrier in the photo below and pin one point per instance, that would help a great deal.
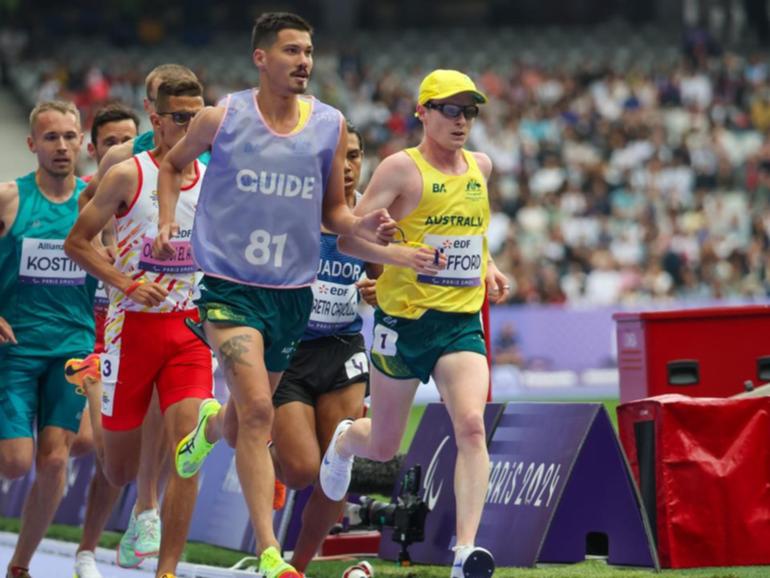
(487, 341)
(703, 468)
(707, 352)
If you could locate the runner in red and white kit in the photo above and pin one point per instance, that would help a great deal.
(113, 125)
(147, 345)
(141, 539)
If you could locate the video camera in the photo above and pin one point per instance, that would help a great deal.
(406, 515)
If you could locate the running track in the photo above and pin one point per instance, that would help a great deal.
(56, 559)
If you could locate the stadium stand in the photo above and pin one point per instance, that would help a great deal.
(627, 169)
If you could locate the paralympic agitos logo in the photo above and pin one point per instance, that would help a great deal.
(431, 492)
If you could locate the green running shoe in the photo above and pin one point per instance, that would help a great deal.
(147, 534)
(271, 565)
(126, 556)
(194, 447)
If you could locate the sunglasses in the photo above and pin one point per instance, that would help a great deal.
(179, 118)
(454, 110)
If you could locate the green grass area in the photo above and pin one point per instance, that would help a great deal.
(211, 555)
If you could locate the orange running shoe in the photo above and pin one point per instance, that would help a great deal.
(279, 495)
(83, 372)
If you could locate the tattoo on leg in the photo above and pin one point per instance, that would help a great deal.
(232, 352)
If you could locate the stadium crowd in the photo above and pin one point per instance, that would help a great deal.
(611, 185)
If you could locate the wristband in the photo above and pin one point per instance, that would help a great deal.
(133, 287)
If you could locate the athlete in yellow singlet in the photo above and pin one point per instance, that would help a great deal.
(430, 294)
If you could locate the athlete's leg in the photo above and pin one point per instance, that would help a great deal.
(379, 437)
(46, 492)
(179, 498)
(295, 447)
(121, 455)
(463, 380)
(153, 457)
(19, 402)
(102, 496)
(16, 457)
(241, 354)
(321, 513)
(84, 440)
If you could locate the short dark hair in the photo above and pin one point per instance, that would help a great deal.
(269, 24)
(112, 112)
(177, 87)
(353, 130)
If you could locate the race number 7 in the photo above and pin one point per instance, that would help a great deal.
(384, 340)
(259, 251)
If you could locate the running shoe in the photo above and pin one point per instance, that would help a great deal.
(127, 558)
(17, 572)
(85, 565)
(83, 373)
(147, 534)
(271, 565)
(194, 447)
(336, 470)
(473, 562)
(167, 575)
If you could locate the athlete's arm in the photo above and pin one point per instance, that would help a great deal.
(497, 283)
(197, 140)
(376, 226)
(114, 155)
(9, 206)
(105, 243)
(114, 193)
(390, 188)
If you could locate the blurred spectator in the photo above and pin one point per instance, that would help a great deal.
(622, 174)
(505, 349)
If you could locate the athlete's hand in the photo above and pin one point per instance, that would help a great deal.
(161, 247)
(498, 286)
(424, 260)
(6, 333)
(377, 227)
(368, 290)
(149, 294)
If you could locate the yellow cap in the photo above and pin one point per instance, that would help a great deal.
(445, 83)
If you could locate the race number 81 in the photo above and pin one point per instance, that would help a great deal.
(264, 247)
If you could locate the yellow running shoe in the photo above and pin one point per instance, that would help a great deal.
(194, 447)
(271, 565)
(83, 373)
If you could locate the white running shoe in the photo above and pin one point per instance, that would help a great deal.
(336, 470)
(85, 565)
(473, 562)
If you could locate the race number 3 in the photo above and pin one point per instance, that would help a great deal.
(384, 340)
(110, 367)
(264, 248)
